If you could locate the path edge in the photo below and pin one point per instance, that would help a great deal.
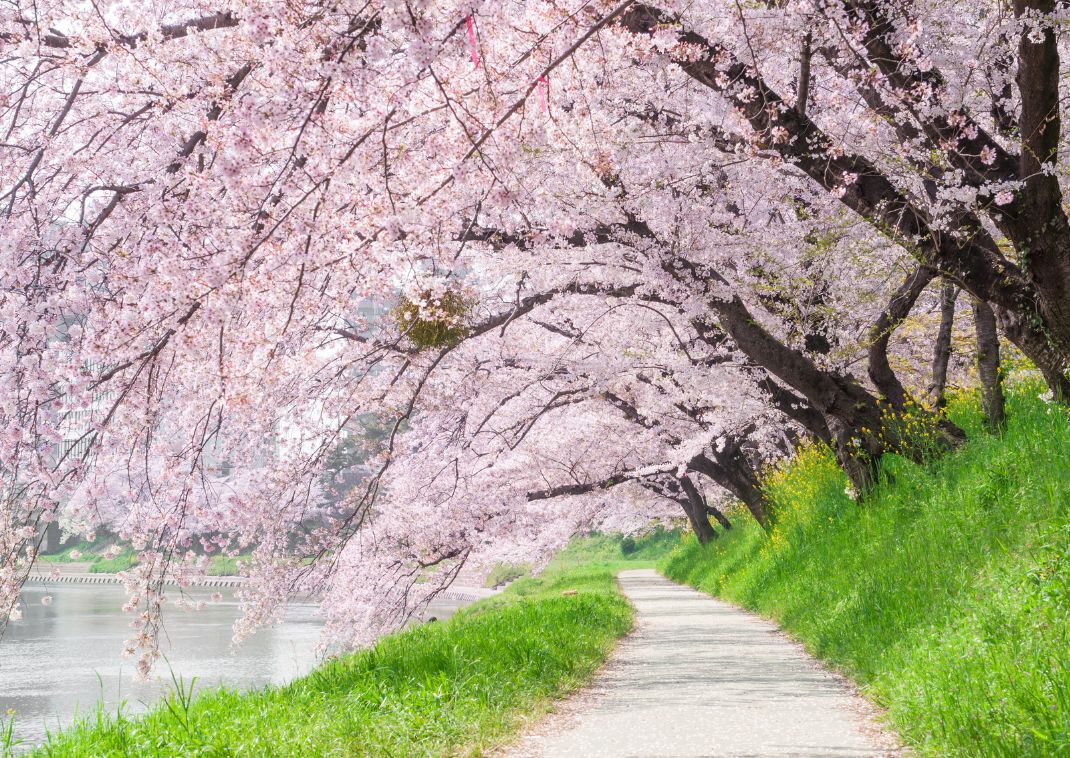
(560, 712)
(872, 719)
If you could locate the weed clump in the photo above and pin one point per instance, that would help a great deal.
(433, 317)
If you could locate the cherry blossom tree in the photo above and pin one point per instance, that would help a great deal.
(582, 259)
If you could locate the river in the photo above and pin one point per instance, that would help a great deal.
(59, 660)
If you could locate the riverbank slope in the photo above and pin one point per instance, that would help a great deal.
(457, 686)
(945, 592)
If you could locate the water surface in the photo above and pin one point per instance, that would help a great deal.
(60, 660)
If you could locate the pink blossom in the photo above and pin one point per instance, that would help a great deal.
(244, 206)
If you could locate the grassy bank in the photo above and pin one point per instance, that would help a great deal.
(94, 556)
(611, 551)
(945, 593)
(445, 688)
(619, 553)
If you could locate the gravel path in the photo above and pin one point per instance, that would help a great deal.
(702, 678)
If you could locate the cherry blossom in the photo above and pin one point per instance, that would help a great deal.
(379, 291)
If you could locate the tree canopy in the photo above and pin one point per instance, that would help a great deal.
(584, 263)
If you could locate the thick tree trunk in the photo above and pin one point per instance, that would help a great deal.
(1051, 275)
(696, 512)
(1035, 346)
(992, 400)
(684, 494)
(796, 408)
(731, 470)
(1043, 229)
(1035, 223)
(857, 453)
(852, 414)
(942, 350)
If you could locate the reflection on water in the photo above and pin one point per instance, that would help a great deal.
(59, 660)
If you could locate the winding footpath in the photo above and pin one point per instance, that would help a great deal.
(700, 677)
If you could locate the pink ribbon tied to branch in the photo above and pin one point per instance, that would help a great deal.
(544, 90)
(542, 84)
(473, 45)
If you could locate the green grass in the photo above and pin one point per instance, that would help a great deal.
(503, 573)
(122, 562)
(218, 565)
(64, 556)
(92, 554)
(945, 592)
(226, 565)
(460, 686)
(612, 551)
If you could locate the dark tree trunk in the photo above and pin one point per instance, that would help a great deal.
(880, 370)
(859, 461)
(899, 307)
(719, 516)
(1044, 229)
(992, 401)
(694, 506)
(1036, 347)
(796, 408)
(852, 414)
(805, 59)
(697, 514)
(942, 350)
(731, 470)
(1035, 222)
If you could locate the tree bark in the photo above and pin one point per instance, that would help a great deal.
(942, 350)
(716, 512)
(1044, 227)
(697, 513)
(992, 401)
(684, 493)
(880, 370)
(796, 408)
(731, 470)
(1036, 223)
(1035, 345)
(899, 307)
(805, 59)
(853, 415)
